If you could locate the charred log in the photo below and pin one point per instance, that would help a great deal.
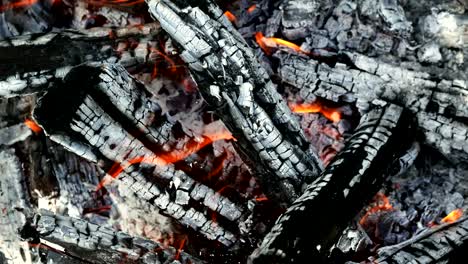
(84, 242)
(32, 62)
(438, 244)
(233, 82)
(339, 193)
(111, 120)
(438, 104)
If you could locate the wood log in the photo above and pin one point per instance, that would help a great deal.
(110, 119)
(233, 82)
(440, 244)
(84, 242)
(31, 63)
(331, 201)
(438, 104)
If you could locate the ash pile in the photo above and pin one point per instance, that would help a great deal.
(289, 131)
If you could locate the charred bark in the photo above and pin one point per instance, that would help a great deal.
(83, 242)
(111, 120)
(31, 63)
(331, 201)
(438, 104)
(233, 82)
(440, 244)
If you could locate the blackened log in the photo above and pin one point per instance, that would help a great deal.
(30, 63)
(445, 243)
(438, 104)
(313, 223)
(232, 81)
(15, 208)
(91, 243)
(104, 115)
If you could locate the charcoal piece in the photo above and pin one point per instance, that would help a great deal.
(335, 198)
(15, 208)
(438, 104)
(232, 81)
(90, 243)
(110, 119)
(32, 62)
(438, 244)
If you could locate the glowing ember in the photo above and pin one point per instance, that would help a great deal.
(252, 8)
(182, 243)
(267, 43)
(452, 216)
(166, 158)
(33, 126)
(124, 3)
(330, 113)
(230, 16)
(18, 4)
(261, 199)
(382, 204)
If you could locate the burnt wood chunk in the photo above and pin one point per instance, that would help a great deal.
(440, 105)
(439, 244)
(104, 115)
(233, 82)
(316, 219)
(90, 243)
(30, 63)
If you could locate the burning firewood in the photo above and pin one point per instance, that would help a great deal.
(71, 239)
(233, 82)
(347, 183)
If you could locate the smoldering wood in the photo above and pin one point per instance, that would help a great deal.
(347, 183)
(437, 244)
(94, 120)
(85, 242)
(438, 104)
(233, 82)
(31, 63)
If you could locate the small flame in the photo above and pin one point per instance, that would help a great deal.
(452, 216)
(330, 113)
(18, 4)
(382, 204)
(33, 126)
(267, 43)
(251, 8)
(166, 158)
(230, 16)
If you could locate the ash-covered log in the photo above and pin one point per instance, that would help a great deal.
(445, 243)
(110, 119)
(307, 230)
(438, 104)
(68, 239)
(33, 62)
(239, 89)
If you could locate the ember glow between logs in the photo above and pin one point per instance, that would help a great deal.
(266, 44)
(230, 16)
(16, 5)
(316, 107)
(166, 158)
(33, 126)
(452, 216)
(382, 204)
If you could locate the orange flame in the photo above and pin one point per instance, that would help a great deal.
(383, 204)
(230, 16)
(33, 126)
(267, 43)
(18, 4)
(330, 113)
(166, 158)
(251, 8)
(452, 216)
